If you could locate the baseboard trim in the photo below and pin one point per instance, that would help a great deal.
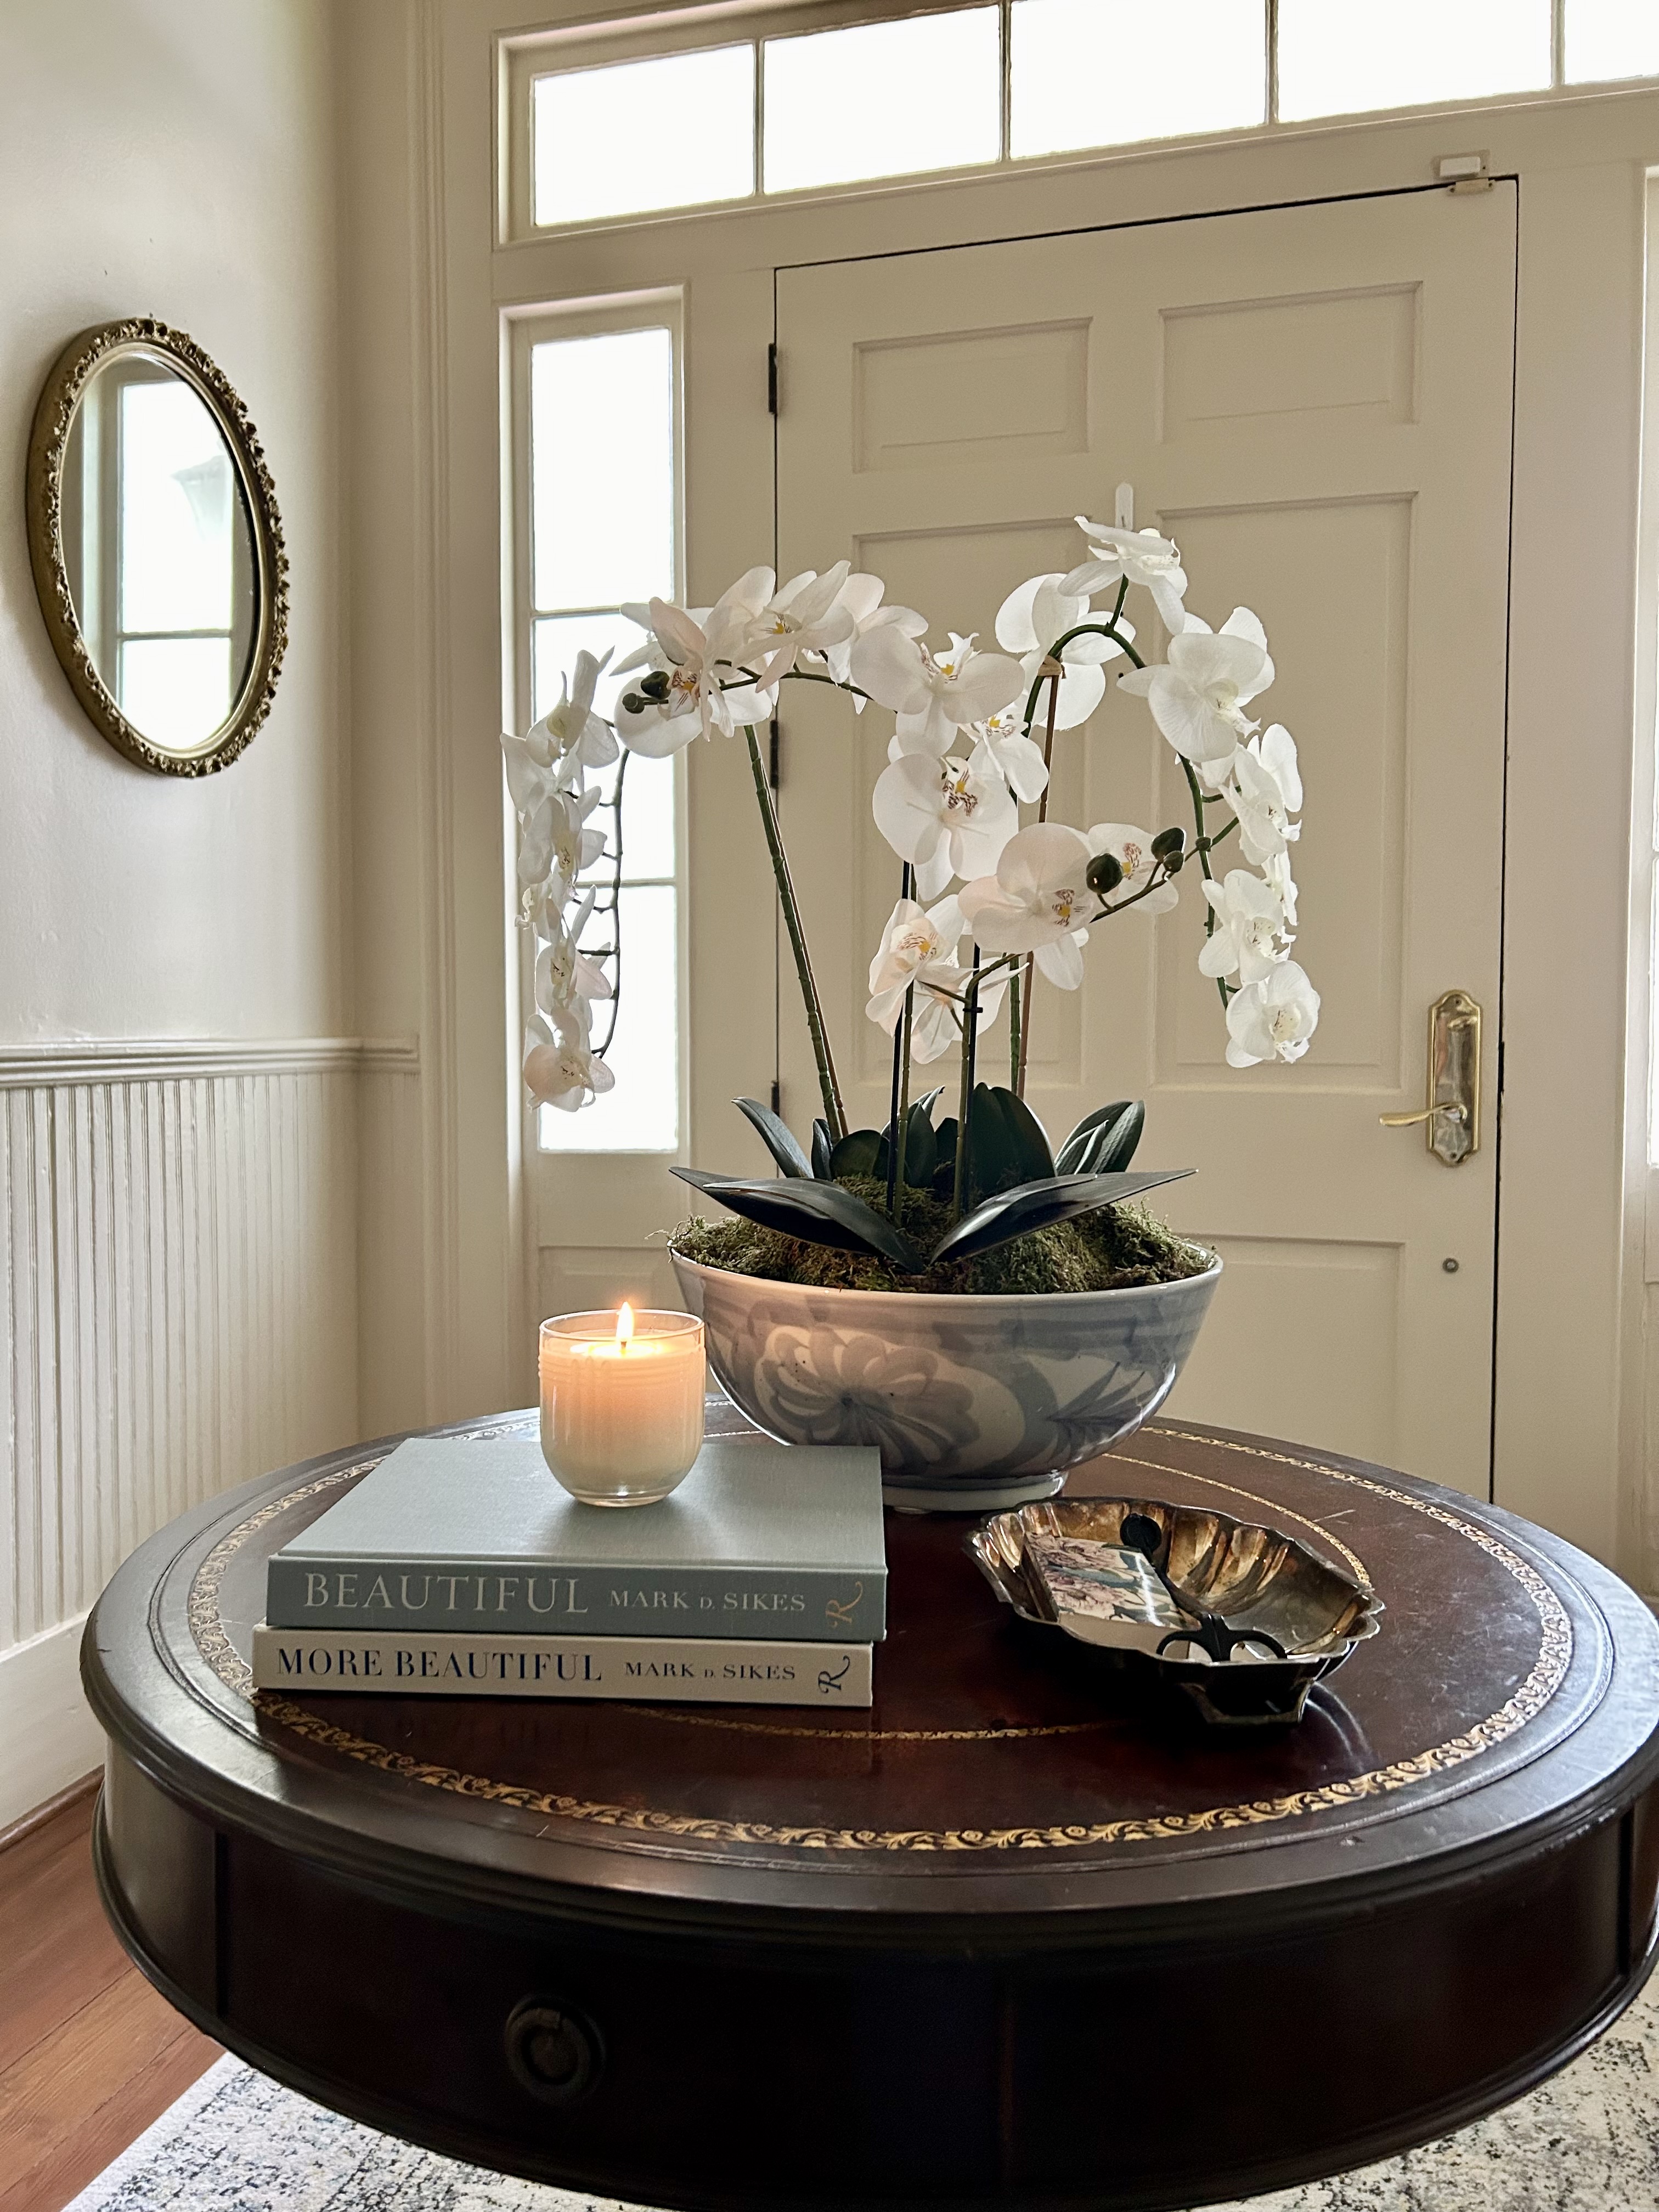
(48, 1737)
(139, 1060)
(77, 1794)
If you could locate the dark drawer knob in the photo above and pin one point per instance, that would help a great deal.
(554, 2053)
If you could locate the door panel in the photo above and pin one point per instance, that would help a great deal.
(1315, 403)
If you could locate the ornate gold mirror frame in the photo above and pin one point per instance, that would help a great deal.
(49, 445)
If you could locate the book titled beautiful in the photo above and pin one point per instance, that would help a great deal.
(776, 1542)
(652, 1669)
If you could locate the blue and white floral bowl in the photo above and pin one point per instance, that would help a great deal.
(976, 1404)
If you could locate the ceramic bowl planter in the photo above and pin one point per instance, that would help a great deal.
(975, 1403)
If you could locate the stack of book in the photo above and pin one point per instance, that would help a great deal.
(458, 1567)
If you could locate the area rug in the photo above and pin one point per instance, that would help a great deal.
(1587, 2141)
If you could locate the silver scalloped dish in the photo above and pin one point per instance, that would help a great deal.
(1065, 1565)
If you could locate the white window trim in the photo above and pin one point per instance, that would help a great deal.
(1642, 1114)
(634, 35)
(522, 329)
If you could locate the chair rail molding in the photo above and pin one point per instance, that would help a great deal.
(129, 1060)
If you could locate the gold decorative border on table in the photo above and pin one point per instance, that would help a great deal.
(1543, 1680)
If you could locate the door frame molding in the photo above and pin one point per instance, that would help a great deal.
(1582, 166)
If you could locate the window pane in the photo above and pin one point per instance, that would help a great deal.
(883, 99)
(1612, 38)
(642, 1114)
(602, 467)
(1106, 72)
(674, 131)
(175, 690)
(177, 496)
(1344, 60)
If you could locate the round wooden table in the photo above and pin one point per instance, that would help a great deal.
(1020, 1937)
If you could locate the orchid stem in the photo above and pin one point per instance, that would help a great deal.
(1054, 682)
(1013, 1031)
(1201, 846)
(834, 1112)
(895, 1127)
(970, 1041)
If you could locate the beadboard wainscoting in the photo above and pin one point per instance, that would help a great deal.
(179, 1311)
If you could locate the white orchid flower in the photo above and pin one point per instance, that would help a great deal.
(914, 936)
(805, 615)
(1032, 619)
(1273, 1019)
(1198, 697)
(564, 974)
(1002, 747)
(571, 726)
(1250, 939)
(934, 696)
(557, 844)
(1037, 901)
(1276, 870)
(861, 596)
(943, 818)
(1265, 790)
(936, 1024)
(696, 684)
(559, 1070)
(1143, 557)
(1131, 849)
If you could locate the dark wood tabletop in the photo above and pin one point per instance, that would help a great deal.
(1025, 1934)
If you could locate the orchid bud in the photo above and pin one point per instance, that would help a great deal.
(1105, 874)
(1168, 842)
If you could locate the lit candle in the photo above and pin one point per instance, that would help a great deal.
(622, 1403)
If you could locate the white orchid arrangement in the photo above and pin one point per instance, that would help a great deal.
(972, 744)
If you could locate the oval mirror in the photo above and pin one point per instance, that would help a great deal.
(156, 546)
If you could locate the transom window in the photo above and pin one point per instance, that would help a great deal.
(599, 130)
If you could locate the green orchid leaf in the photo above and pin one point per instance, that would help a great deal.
(857, 1154)
(1112, 1145)
(1007, 1143)
(821, 1149)
(1071, 1151)
(944, 1147)
(1016, 1212)
(815, 1212)
(777, 1137)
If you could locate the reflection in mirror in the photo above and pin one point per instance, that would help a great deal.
(159, 549)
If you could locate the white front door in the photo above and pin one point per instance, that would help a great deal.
(1314, 402)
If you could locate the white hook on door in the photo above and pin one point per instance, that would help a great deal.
(1126, 507)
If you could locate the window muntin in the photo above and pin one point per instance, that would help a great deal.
(611, 134)
(601, 497)
(883, 99)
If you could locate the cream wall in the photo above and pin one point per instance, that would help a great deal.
(177, 1295)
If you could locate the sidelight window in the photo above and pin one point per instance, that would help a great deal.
(597, 423)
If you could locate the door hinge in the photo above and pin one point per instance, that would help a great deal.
(775, 758)
(777, 1096)
(772, 379)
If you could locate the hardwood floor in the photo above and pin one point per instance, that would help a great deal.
(89, 2055)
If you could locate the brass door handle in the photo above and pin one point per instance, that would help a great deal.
(1457, 1111)
(1452, 1115)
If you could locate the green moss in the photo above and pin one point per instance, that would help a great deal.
(1111, 1250)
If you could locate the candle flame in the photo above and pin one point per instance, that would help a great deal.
(625, 1324)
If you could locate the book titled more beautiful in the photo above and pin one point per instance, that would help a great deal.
(649, 1669)
(473, 1535)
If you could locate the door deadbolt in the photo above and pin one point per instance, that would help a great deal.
(1451, 1118)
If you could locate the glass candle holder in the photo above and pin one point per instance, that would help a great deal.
(622, 1403)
